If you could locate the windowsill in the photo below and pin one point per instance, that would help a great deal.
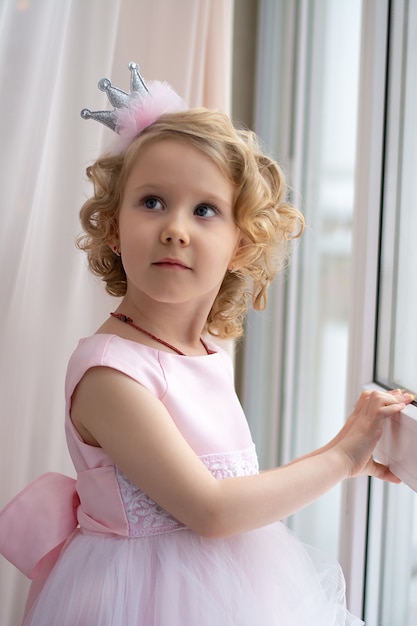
(397, 447)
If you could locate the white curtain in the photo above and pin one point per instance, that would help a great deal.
(52, 54)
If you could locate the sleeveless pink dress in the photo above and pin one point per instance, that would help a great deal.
(102, 553)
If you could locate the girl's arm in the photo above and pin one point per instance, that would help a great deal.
(113, 411)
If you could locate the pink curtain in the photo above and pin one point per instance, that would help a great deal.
(52, 55)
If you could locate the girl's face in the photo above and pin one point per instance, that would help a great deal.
(177, 234)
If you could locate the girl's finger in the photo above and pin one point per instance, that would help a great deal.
(378, 399)
(391, 409)
(378, 470)
(362, 400)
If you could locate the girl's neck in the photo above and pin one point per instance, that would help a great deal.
(128, 320)
(167, 323)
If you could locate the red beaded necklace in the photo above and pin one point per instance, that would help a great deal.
(128, 320)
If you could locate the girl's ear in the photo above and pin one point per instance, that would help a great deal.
(114, 246)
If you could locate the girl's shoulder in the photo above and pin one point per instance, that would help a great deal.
(129, 357)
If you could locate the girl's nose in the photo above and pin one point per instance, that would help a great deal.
(175, 231)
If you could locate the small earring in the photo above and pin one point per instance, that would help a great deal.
(116, 251)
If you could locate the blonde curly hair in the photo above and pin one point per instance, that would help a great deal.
(261, 211)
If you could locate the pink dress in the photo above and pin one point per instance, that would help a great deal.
(102, 553)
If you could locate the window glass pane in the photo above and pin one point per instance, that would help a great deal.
(396, 575)
(325, 252)
(397, 329)
(306, 113)
(399, 581)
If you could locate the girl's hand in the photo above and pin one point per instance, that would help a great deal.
(362, 431)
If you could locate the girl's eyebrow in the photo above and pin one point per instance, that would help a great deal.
(147, 186)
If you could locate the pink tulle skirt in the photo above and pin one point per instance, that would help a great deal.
(265, 577)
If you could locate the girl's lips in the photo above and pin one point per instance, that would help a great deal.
(172, 263)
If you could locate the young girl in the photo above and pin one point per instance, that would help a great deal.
(174, 524)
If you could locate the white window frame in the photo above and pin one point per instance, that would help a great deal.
(398, 444)
(371, 119)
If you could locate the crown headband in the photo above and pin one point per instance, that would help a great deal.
(133, 112)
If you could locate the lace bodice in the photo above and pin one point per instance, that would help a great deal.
(145, 517)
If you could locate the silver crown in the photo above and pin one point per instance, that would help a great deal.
(118, 98)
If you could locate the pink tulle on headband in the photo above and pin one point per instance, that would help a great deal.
(140, 113)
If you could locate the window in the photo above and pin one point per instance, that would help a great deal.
(325, 335)
(391, 589)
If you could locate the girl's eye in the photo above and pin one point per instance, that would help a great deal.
(205, 210)
(152, 203)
